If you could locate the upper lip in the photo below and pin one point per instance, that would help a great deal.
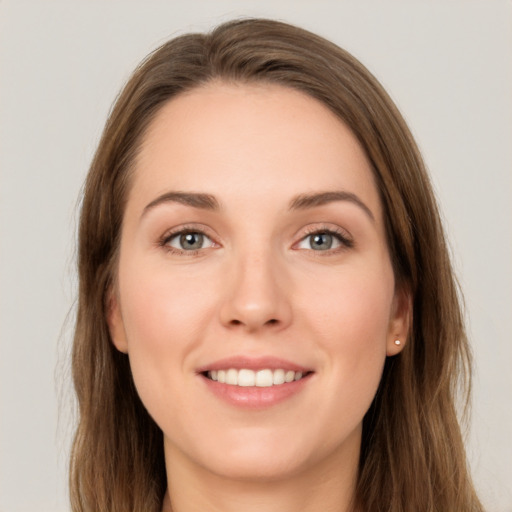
(253, 363)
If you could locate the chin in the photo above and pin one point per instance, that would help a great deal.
(256, 456)
(258, 467)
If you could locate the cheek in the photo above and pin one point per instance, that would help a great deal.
(351, 308)
(351, 320)
(161, 309)
(164, 316)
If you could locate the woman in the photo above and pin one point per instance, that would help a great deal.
(267, 313)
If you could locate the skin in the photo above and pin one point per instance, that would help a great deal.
(256, 288)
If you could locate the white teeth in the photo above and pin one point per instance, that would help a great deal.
(249, 378)
(246, 378)
(289, 376)
(232, 377)
(264, 378)
(278, 377)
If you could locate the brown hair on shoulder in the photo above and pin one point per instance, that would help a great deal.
(412, 454)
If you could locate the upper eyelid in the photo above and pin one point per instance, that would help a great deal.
(311, 229)
(187, 228)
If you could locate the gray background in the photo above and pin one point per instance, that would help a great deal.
(446, 64)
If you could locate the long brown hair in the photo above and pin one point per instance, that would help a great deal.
(412, 453)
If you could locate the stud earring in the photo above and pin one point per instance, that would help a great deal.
(398, 342)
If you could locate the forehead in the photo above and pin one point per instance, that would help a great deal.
(257, 139)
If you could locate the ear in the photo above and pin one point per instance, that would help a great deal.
(115, 322)
(400, 321)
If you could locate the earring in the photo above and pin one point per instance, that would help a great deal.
(398, 342)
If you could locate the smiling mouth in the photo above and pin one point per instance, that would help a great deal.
(264, 378)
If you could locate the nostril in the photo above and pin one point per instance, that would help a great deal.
(272, 321)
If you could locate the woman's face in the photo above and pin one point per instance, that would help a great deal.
(253, 252)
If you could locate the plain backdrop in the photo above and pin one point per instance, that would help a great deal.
(447, 64)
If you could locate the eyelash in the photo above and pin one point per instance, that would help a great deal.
(167, 237)
(340, 235)
(346, 242)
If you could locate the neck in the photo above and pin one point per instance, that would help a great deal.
(327, 486)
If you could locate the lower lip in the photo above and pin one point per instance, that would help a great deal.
(255, 397)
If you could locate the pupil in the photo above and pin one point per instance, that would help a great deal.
(322, 241)
(191, 241)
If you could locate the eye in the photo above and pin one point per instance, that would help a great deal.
(188, 241)
(324, 241)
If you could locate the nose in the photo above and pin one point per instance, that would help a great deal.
(256, 295)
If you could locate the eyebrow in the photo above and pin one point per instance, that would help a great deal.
(300, 202)
(305, 201)
(196, 200)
